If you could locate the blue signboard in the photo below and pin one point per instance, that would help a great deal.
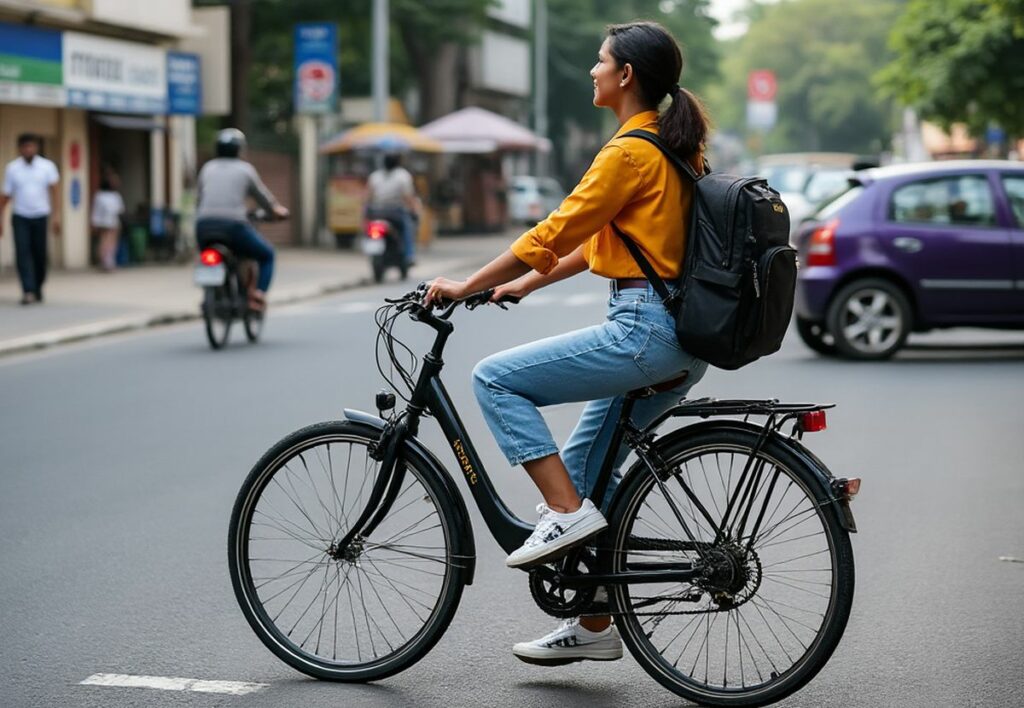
(30, 65)
(316, 67)
(184, 84)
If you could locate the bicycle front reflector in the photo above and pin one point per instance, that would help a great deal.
(813, 421)
(210, 257)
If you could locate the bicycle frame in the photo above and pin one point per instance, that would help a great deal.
(429, 394)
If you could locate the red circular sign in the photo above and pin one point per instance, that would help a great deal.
(761, 85)
(76, 155)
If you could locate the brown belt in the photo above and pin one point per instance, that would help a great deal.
(624, 283)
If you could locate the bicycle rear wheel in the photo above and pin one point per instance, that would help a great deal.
(357, 614)
(217, 315)
(758, 623)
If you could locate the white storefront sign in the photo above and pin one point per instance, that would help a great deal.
(110, 75)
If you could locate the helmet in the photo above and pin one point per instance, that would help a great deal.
(230, 142)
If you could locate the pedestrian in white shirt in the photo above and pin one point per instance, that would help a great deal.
(107, 207)
(30, 182)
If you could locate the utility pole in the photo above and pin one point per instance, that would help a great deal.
(540, 79)
(381, 87)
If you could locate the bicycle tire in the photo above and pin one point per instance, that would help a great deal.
(253, 324)
(215, 309)
(637, 484)
(254, 608)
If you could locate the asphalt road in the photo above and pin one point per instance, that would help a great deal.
(120, 460)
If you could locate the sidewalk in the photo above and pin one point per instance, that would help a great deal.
(84, 304)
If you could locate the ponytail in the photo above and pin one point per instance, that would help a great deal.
(684, 124)
(657, 62)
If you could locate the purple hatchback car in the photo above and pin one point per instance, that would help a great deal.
(908, 248)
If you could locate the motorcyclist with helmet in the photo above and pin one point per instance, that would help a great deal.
(225, 184)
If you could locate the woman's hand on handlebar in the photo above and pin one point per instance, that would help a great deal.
(511, 292)
(443, 289)
(281, 212)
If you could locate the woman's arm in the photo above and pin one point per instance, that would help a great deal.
(501, 270)
(573, 264)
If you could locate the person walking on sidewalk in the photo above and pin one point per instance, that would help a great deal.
(226, 183)
(30, 181)
(107, 208)
(631, 185)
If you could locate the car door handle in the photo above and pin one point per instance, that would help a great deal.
(908, 244)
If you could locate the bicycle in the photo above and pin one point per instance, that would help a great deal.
(727, 559)
(226, 280)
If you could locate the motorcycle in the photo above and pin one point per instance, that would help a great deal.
(384, 244)
(226, 280)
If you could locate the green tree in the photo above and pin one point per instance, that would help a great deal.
(960, 61)
(824, 55)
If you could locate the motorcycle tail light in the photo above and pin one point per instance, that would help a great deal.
(210, 257)
(822, 248)
(377, 229)
(813, 421)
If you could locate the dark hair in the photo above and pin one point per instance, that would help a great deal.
(26, 138)
(106, 185)
(391, 161)
(228, 149)
(657, 63)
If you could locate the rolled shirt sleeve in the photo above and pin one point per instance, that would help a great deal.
(611, 182)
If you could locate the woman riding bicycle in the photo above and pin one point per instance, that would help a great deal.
(631, 184)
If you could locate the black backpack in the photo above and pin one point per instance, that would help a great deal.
(736, 285)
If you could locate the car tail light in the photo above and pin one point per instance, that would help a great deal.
(821, 250)
(813, 421)
(377, 229)
(211, 257)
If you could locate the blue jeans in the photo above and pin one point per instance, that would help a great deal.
(634, 348)
(243, 240)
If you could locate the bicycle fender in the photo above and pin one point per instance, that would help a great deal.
(465, 544)
(821, 473)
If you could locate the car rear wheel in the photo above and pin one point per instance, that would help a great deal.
(816, 336)
(869, 319)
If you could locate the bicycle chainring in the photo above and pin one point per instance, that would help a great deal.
(556, 599)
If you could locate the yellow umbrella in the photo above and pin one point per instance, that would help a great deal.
(381, 136)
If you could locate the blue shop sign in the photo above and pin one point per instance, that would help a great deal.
(184, 84)
(316, 67)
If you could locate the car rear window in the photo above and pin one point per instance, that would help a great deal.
(953, 200)
(834, 205)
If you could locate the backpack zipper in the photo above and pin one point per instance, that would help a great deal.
(757, 284)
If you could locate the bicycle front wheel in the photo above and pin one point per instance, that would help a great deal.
(356, 614)
(774, 589)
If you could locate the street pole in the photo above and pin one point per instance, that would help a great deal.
(540, 80)
(381, 88)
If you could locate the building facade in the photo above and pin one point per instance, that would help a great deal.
(109, 88)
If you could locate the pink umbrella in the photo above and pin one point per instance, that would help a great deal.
(477, 130)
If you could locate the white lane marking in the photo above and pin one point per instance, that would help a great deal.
(1011, 559)
(353, 307)
(168, 683)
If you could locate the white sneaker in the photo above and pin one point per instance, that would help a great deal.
(556, 533)
(570, 642)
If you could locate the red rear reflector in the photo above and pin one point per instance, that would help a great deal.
(852, 487)
(813, 421)
(377, 229)
(210, 257)
(822, 248)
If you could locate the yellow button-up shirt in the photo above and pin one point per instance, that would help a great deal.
(631, 183)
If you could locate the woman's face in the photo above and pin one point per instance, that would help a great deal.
(607, 76)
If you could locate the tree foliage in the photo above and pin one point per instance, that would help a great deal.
(960, 61)
(824, 54)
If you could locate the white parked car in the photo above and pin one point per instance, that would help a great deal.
(531, 199)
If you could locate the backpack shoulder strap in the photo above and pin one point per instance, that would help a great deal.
(645, 265)
(680, 164)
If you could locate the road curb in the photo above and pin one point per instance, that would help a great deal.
(133, 323)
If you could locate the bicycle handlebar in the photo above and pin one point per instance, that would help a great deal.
(415, 299)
